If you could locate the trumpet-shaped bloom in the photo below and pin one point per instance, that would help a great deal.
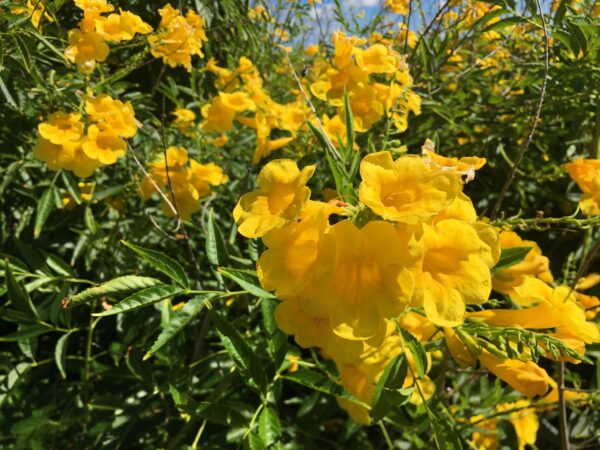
(104, 146)
(464, 166)
(61, 128)
(363, 278)
(376, 59)
(405, 190)
(56, 156)
(121, 27)
(85, 49)
(555, 308)
(524, 376)
(454, 271)
(184, 120)
(534, 265)
(179, 38)
(238, 101)
(35, 10)
(281, 197)
(218, 116)
(525, 421)
(586, 173)
(112, 115)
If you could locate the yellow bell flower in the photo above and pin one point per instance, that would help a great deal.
(35, 10)
(534, 265)
(397, 6)
(376, 59)
(238, 101)
(405, 190)
(217, 116)
(586, 173)
(184, 120)
(465, 166)
(121, 27)
(454, 271)
(362, 278)
(525, 421)
(85, 49)
(62, 127)
(281, 197)
(112, 115)
(103, 146)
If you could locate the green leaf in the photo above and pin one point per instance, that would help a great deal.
(255, 442)
(247, 280)
(276, 339)
(321, 383)
(88, 219)
(143, 298)
(337, 170)
(216, 249)
(162, 263)
(444, 433)
(60, 354)
(388, 391)
(509, 257)
(71, 186)
(44, 207)
(18, 295)
(417, 350)
(178, 322)
(269, 428)
(120, 285)
(26, 332)
(349, 123)
(241, 353)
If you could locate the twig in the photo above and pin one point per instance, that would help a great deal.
(536, 119)
(427, 29)
(313, 109)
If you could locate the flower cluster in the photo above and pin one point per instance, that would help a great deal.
(82, 143)
(376, 80)
(413, 241)
(586, 173)
(88, 43)
(178, 38)
(243, 98)
(189, 180)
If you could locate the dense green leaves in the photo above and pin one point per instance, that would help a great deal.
(18, 295)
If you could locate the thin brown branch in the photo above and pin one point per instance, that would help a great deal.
(536, 119)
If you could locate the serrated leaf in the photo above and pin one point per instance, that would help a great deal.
(276, 339)
(510, 257)
(269, 428)
(445, 435)
(247, 280)
(44, 207)
(117, 286)
(321, 383)
(177, 323)
(18, 295)
(26, 332)
(88, 219)
(60, 354)
(143, 298)
(418, 352)
(255, 442)
(245, 359)
(391, 380)
(162, 263)
(216, 249)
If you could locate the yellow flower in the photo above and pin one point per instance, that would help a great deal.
(184, 120)
(280, 198)
(397, 6)
(219, 141)
(524, 376)
(361, 279)
(586, 173)
(112, 115)
(85, 49)
(556, 308)
(202, 176)
(35, 10)
(217, 116)
(312, 50)
(366, 107)
(104, 146)
(56, 156)
(486, 436)
(179, 37)
(121, 27)
(376, 59)
(238, 101)
(534, 265)
(405, 190)
(286, 266)
(454, 271)
(463, 166)
(335, 129)
(62, 127)
(524, 421)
